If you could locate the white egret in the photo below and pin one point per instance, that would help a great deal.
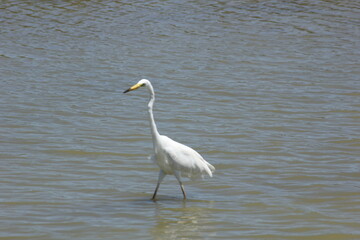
(172, 157)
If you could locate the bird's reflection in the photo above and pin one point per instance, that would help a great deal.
(181, 219)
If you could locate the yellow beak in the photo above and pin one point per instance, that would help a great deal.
(136, 86)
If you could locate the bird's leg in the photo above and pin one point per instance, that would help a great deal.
(177, 175)
(160, 179)
(156, 189)
(183, 190)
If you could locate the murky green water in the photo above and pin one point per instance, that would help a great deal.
(267, 91)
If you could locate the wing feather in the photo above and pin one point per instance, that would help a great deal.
(187, 161)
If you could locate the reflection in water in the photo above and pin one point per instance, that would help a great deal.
(181, 219)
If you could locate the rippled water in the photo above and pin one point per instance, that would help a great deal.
(267, 91)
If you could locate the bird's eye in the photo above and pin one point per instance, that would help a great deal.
(142, 85)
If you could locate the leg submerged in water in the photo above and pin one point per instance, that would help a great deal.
(160, 179)
(177, 175)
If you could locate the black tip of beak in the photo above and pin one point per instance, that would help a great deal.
(126, 90)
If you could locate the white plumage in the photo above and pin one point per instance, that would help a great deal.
(173, 158)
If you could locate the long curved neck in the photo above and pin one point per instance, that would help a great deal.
(154, 131)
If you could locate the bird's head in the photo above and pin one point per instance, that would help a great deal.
(141, 83)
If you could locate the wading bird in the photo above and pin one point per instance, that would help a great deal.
(173, 158)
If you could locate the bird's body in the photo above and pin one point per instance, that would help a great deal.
(173, 158)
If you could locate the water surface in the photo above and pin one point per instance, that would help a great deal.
(266, 91)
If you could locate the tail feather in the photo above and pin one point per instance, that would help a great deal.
(210, 169)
